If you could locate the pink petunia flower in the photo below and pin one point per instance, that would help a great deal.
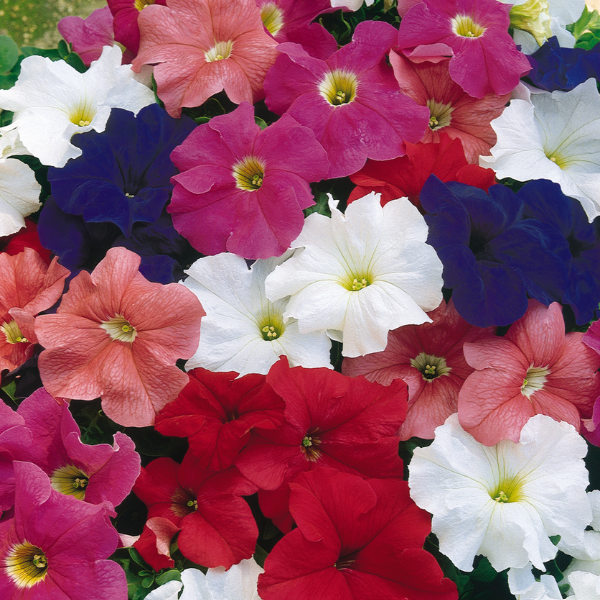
(56, 546)
(474, 33)
(351, 100)
(430, 359)
(116, 335)
(591, 432)
(452, 111)
(201, 47)
(534, 369)
(27, 287)
(241, 189)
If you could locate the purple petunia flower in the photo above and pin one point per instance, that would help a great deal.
(350, 100)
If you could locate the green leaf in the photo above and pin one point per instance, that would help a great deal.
(484, 571)
(63, 49)
(10, 390)
(260, 555)
(321, 206)
(588, 40)
(8, 81)
(74, 60)
(9, 53)
(137, 557)
(589, 20)
(260, 122)
(147, 582)
(555, 539)
(171, 575)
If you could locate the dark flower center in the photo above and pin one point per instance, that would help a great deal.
(430, 366)
(310, 445)
(25, 564)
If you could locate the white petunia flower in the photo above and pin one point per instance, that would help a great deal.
(167, 591)
(19, 195)
(52, 102)
(503, 501)
(350, 4)
(585, 586)
(10, 144)
(242, 330)
(555, 136)
(361, 274)
(545, 589)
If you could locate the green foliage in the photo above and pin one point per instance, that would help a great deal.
(9, 53)
(586, 30)
(260, 556)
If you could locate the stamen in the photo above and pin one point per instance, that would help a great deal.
(193, 504)
(25, 564)
(502, 497)
(339, 87)
(249, 174)
(220, 51)
(13, 333)
(119, 329)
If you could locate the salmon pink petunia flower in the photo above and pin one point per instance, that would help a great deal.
(534, 369)
(474, 33)
(27, 287)
(118, 336)
(429, 357)
(200, 47)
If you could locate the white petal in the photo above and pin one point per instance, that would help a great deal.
(168, 591)
(19, 195)
(195, 586)
(238, 583)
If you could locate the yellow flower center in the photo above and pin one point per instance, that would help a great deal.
(141, 4)
(13, 333)
(25, 564)
(272, 17)
(249, 174)
(430, 366)
(508, 489)
(464, 26)
(82, 115)
(558, 159)
(70, 481)
(354, 282)
(440, 114)
(271, 326)
(220, 51)
(534, 380)
(119, 329)
(339, 87)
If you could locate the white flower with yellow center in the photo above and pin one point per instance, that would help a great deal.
(52, 102)
(553, 136)
(242, 330)
(359, 275)
(503, 501)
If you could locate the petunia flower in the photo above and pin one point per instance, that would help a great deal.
(200, 47)
(504, 501)
(217, 412)
(19, 195)
(350, 100)
(361, 274)
(118, 336)
(430, 359)
(586, 586)
(56, 546)
(534, 369)
(154, 543)
(553, 136)
(452, 110)
(46, 117)
(25, 238)
(484, 59)
(217, 526)
(406, 176)
(243, 330)
(355, 539)
(241, 189)
(28, 286)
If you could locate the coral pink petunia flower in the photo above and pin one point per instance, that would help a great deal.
(534, 369)
(430, 359)
(217, 526)
(406, 176)
(118, 336)
(355, 539)
(201, 47)
(27, 287)
(474, 33)
(452, 111)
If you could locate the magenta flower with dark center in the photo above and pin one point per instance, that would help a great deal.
(242, 190)
(350, 100)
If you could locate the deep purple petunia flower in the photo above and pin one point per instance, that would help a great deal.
(123, 176)
(241, 189)
(56, 546)
(351, 100)
(493, 259)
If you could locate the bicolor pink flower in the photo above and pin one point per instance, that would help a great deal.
(27, 287)
(200, 47)
(534, 369)
(56, 546)
(241, 189)
(116, 335)
(350, 100)
(452, 110)
(474, 33)
(429, 358)
(89, 36)
(154, 544)
(96, 474)
(125, 14)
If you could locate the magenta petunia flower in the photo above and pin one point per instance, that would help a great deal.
(116, 335)
(350, 100)
(282, 17)
(430, 359)
(56, 546)
(241, 189)
(474, 33)
(452, 111)
(534, 369)
(200, 47)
